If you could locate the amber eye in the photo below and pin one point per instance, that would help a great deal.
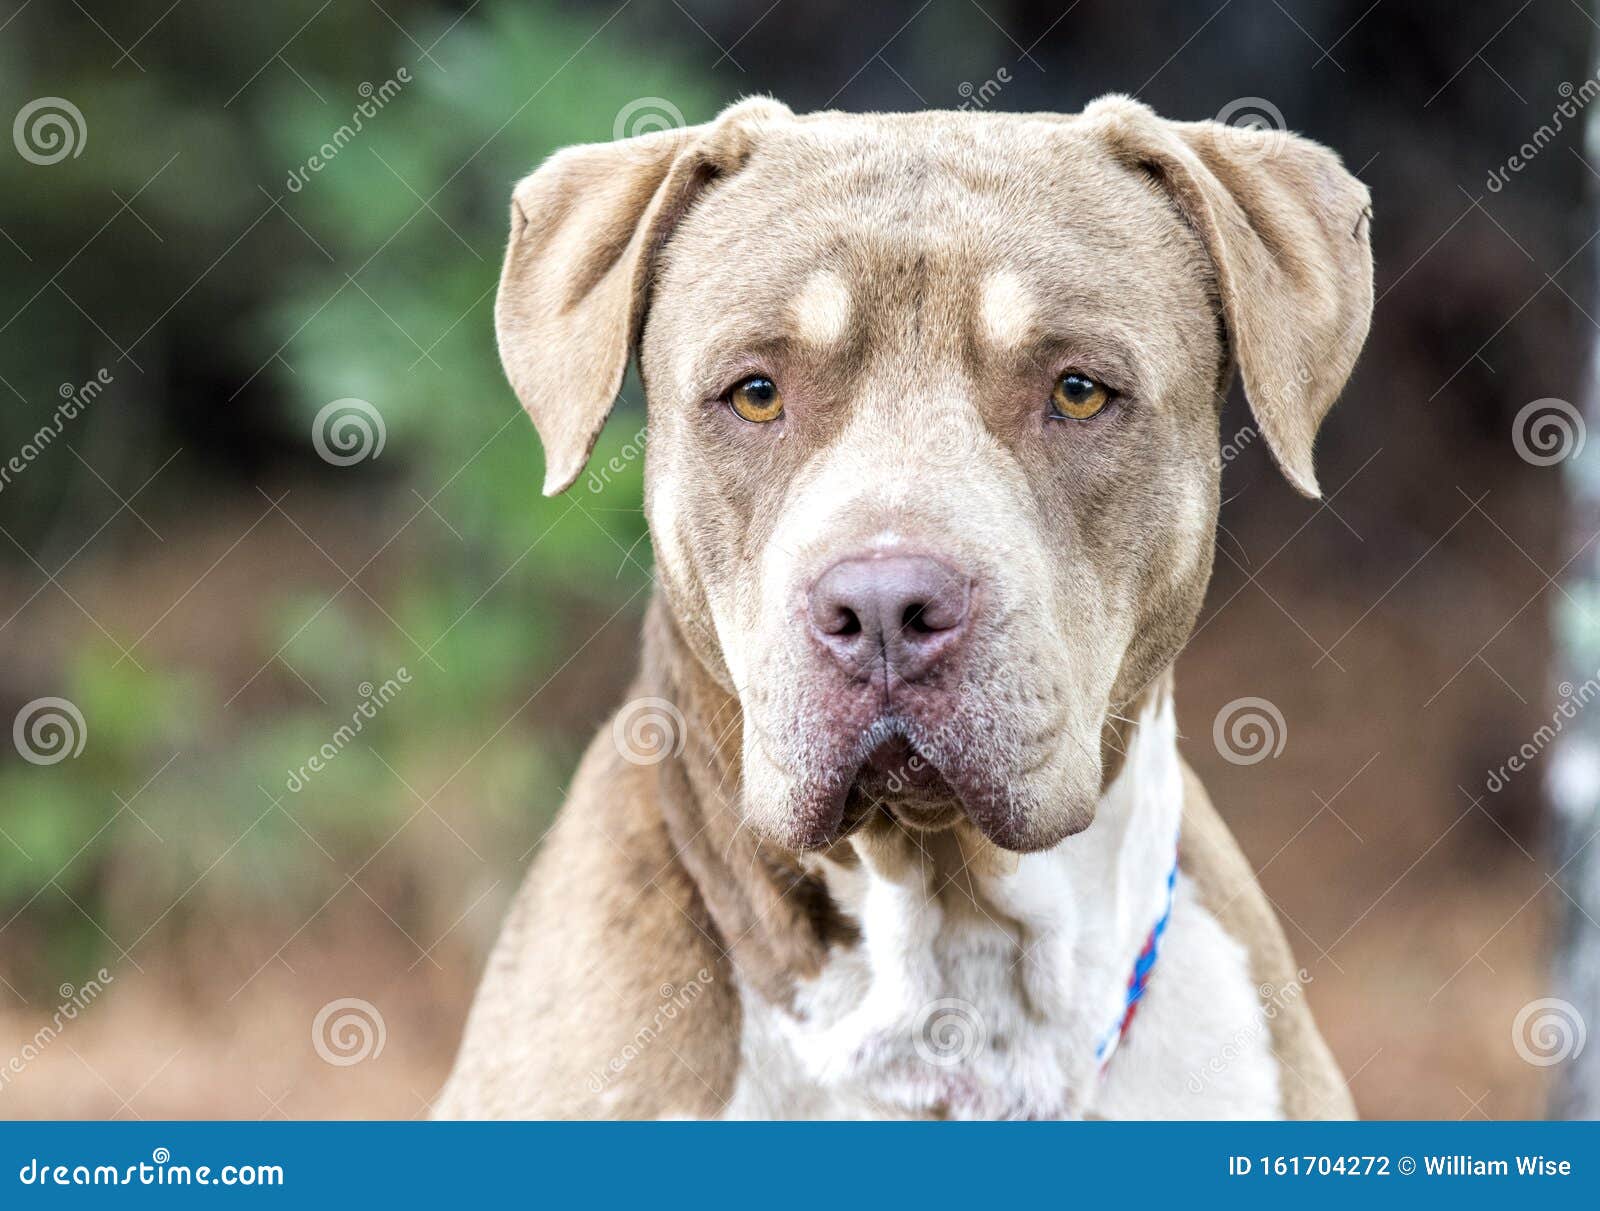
(757, 400)
(1077, 397)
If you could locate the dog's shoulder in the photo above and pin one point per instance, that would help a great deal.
(1311, 1084)
(606, 995)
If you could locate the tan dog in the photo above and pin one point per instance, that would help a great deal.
(933, 483)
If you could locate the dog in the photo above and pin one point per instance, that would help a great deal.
(932, 480)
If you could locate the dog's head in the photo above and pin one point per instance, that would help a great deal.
(933, 404)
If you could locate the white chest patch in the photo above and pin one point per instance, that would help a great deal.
(983, 982)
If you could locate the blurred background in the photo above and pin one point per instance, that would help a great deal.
(297, 661)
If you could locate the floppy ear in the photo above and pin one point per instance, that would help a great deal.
(584, 230)
(1288, 230)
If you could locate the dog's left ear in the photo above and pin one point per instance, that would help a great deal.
(1288, 229)
(585, 228)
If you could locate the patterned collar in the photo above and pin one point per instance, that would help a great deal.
(1140, 979)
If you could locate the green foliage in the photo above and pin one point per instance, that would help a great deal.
(373, 279)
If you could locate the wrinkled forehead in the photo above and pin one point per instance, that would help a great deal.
(954, 234)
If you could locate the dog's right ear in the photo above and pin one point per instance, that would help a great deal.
(585, 228)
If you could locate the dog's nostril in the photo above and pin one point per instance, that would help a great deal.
(845, 622)
(935, 615)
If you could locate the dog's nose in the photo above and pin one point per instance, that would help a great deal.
(907, 610)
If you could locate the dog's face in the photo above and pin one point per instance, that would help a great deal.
(933, 407)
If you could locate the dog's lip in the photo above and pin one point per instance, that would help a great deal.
(898, 757)
(894, 778)
(897, 780)
(933, 818)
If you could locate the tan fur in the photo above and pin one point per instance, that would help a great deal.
(914, 283)
(607, 931)
(1312, 1086)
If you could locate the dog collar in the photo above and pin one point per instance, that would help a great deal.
(1139, 980)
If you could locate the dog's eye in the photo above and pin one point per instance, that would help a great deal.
(1077, 397)
(756, 400)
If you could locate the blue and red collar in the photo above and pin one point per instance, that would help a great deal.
(1139, 981)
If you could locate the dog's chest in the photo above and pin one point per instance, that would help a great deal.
(993, 1021)
(948, 1007)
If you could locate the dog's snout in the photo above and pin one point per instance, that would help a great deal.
(906, 610)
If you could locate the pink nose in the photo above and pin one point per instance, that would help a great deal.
(907, 611)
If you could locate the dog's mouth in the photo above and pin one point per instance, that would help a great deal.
(929, 780)
(897, 780)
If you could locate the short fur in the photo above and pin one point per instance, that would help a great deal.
(744, 927)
